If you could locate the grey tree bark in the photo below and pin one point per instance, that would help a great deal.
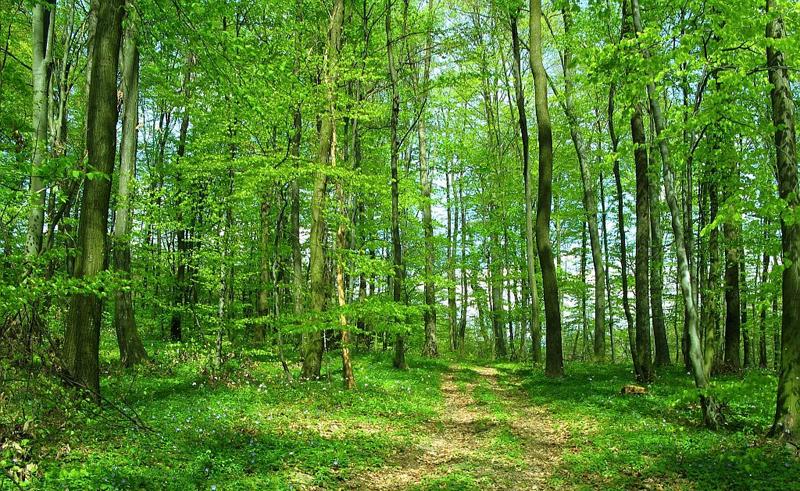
(131, 349)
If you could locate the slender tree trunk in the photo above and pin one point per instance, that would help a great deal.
(746, 342)
(82, 336)
(397, 248)
(584, 299)
(183, 287)
(642, 361)
(787, 412)
(662, 357)
(263, 306)
(462, 330)
(554, 366)
(606, 261)
(42, 32)
(131, 350)
(762, 340)
(589, 197)
(623, 248)
(530, 239)
(313, 346)
(696, 351)
(430, 348)
(452, 224)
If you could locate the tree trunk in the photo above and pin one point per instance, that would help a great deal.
(82, 336)
(554, 366)
(605, 261)
(430, 348)
(696, 352)
(530, 239)
(623, 248)
(711, 291)
(662, 358)
(131, 350)
(642, 362)
(762, 339)
(397, 248)
(589, 198)
(787, 412)
(733, 313)
(42, 32)
(263, 306)
(462, 329)
(183, 286)
(746, 342)
(313, 344)
(451, 274)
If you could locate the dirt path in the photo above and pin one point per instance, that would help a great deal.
(487, 437)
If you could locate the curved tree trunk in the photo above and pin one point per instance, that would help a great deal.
(589, 198)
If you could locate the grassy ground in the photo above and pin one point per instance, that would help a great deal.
(655, 441)
(440, 425)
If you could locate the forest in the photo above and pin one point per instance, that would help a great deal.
(399, 244)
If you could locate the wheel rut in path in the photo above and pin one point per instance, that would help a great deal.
(488, 436)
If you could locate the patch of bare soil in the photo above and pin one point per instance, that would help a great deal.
(463, 442)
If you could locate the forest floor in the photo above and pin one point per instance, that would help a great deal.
(486, 435)
(443, 424)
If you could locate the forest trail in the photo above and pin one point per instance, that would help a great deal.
(488, 436)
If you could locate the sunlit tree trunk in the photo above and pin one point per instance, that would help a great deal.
(530, 239)
(643, 360)
(42, 43)
(131, 350)
(82, 336)
(554, 365)
(313, 344)
(623, 247)
(397, 248)
(589, 198)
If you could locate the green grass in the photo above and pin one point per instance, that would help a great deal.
(247, 430)
(656, 440)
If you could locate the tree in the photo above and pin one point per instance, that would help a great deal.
(42, 42)
(530, 239)
(430, 347)
(589, 197)
(313, 345)
(397, 247)
(131, 350)
(82, 336)
(554, 366)
(642, 362)
(787, 413)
